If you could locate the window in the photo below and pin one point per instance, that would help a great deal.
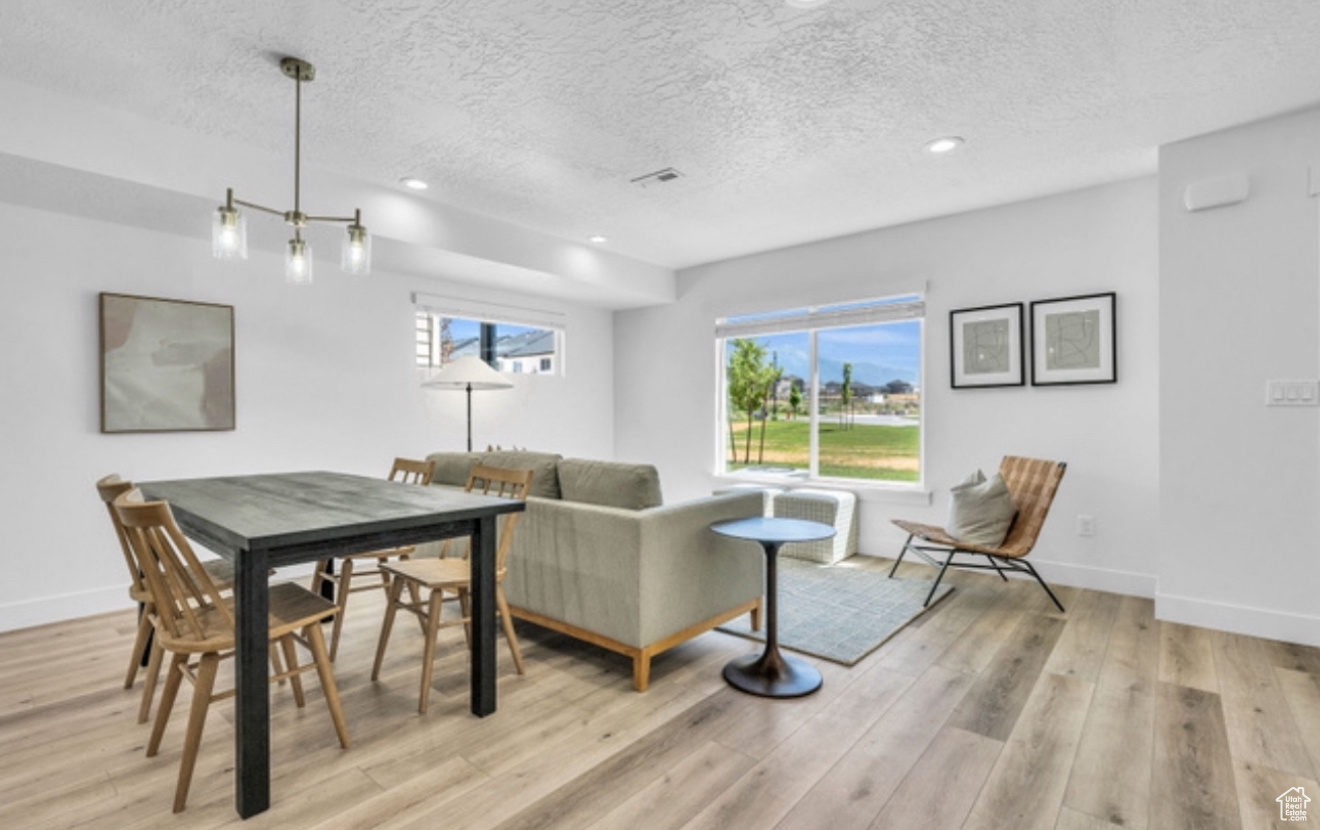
(826, 392)
(531, 343)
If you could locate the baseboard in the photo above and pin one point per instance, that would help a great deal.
(43, 610)
(1097, 579)
(50, 609)
(1239, 619)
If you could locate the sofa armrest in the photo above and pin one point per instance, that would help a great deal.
(632, 575)
(690, 573)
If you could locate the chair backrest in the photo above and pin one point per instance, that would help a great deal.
(508, 484)
(110, 488)
(1033, 483)
(411, 471)
(188, 603)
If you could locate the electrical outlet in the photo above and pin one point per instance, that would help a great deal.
(1085, 525)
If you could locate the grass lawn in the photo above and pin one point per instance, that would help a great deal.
(885, 453)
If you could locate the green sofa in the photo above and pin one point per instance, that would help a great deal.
(599, 557)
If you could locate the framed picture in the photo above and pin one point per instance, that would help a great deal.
(1073, 340)
(985, 346)
(166, 365)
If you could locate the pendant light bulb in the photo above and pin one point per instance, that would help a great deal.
(228, 231)
(298, 262)
(356, 253)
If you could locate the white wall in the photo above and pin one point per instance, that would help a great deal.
(324, 381)
(1100, 239)
(1240, 304)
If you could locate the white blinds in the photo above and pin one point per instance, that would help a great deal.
(489, 312)
(827, 317)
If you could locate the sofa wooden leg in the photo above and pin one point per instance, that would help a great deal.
(755, 614)
(641, 671)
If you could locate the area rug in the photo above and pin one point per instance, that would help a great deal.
(838, 612)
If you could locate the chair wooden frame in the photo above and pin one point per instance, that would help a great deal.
(1032, 483)
(453, 575)
(191, 619)
(406, 471)
(221, 572)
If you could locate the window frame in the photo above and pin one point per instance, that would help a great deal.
(811, 320)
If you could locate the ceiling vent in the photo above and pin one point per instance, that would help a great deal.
(659, 177)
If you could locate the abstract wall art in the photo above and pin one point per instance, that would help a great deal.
(166, 365)
(985, 346)
(1073, 340)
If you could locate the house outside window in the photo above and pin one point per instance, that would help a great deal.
(824, 392)
(512, 347)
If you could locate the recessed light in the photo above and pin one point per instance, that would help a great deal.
(806, 4)
(413, 184)
(945, 144)
(597, 239)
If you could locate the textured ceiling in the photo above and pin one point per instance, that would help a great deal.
(788, 125)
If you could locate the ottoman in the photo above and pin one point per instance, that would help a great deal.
(833, 507)
(768, 492)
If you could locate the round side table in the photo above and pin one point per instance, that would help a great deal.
(771, 674)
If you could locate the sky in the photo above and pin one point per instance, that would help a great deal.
(878, 353)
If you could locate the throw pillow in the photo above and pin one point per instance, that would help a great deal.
(610, 484)
(452, 468)
(981, 510)
(545, 475)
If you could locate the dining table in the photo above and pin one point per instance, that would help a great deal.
(271, 520)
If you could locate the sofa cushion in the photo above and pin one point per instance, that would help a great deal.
(609, 483)
(981, 510)
(545, 478)
(452, 468)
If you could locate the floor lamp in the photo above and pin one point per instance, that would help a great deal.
(467, 373)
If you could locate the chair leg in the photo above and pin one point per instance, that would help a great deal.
(944, 567)
(316, 642)
(173, 678)
(428, 656)
(995, 563)
(391, 608)
(341, 599)
(506, 620)
(1032, 570)
(139, 648)
(291, 662)
(465, 608)
(149, 682)
(196, 724)
(901, 554)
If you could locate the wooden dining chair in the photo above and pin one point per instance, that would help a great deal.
(1032, 482)
(192, 621)
(220, 571)
(405, 471)
(438, 576)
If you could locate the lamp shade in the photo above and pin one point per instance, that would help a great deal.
(468, 372)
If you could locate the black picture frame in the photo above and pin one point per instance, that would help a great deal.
(1074, 340)
(985, 346)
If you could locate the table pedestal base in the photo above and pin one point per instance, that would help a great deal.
(772, 675)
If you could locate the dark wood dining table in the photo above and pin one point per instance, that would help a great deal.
(272, 520)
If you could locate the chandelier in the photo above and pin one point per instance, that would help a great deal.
(229, 226)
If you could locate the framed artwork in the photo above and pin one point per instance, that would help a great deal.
(1073, 340)
(985, 346)
(166, 365)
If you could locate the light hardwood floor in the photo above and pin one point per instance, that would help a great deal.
(991, 711)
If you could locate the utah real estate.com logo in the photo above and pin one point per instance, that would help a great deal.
(1292, 805)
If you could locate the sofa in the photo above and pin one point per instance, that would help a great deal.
(598, 555)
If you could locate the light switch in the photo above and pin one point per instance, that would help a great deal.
(1292, 393)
